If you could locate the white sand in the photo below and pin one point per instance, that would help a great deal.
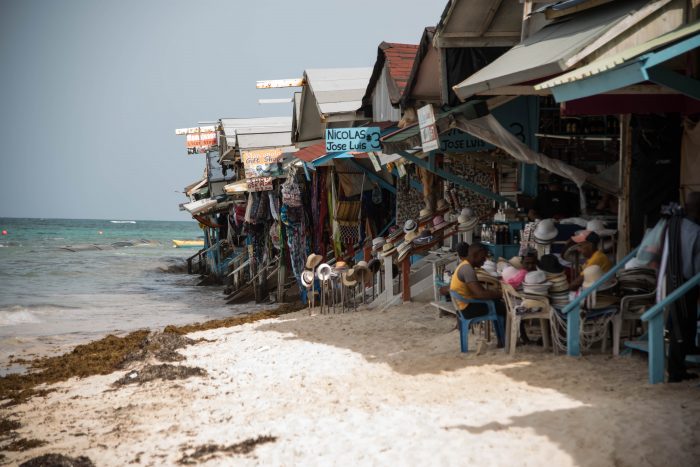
(374, 388)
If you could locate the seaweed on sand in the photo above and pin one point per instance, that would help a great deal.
(58, 460)
(112, 353)
(154, 372)
(206, 452)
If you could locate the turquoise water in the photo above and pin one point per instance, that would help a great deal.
(117, 278)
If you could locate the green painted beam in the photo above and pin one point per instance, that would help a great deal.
(372, 176)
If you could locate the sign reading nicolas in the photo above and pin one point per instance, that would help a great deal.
(360, 139)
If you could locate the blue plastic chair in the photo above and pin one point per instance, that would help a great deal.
(465, 322)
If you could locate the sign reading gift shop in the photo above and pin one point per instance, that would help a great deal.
(261, 166)
(515, 116)
(360, 139)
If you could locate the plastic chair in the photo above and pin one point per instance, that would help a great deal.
(513, 299)
(632, 307)
(465, 322)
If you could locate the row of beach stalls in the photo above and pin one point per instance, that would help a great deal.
(361, 194)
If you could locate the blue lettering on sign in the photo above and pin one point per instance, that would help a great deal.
(361, 139)
(513, 116)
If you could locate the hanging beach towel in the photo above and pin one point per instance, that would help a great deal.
(347, 215)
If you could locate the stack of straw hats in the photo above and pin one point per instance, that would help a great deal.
(591, 274)
(554, 271)
(377, 244)
(536, 283)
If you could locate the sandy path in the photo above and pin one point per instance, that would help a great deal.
(374, 388)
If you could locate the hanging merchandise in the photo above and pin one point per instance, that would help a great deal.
(274, 206)
(291, 194)
(348, 215)
(249, 208)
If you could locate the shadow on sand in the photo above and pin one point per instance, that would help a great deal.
(413, 341)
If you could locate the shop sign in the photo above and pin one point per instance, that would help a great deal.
(360, 139)
(199, 140)
(261, 166)
(428, 129)
(259, 184)
(514, 116)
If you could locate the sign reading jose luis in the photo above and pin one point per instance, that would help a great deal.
(360, 139)
(514, 116)
(260, 166)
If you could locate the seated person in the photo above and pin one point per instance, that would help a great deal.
(465, 283)
(588, 244)
(530, 260)
(462, 252)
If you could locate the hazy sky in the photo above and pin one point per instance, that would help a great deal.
(92, 91)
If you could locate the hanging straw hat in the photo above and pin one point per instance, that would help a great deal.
(410, 226)
(313, 260)
(307, 278)
(404, 250)
(442, 205)
(341, 266)
(545, 231)
(410, 237)
(362, 270)
(323, 272)
(423, 238)
(377, 243)
(349, 279)
(439, 223)
(388, 249)
(425, 214)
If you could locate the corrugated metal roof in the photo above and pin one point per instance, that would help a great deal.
(312, 152)
(545, 52)
(398, 60)
(338, 90)
(632, 53)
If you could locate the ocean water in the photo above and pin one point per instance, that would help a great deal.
(52, 298)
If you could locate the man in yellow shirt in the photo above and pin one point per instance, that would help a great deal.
(466, 284)
(588, 242)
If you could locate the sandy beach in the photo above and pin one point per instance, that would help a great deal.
(367, 388)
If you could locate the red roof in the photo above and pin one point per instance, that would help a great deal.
(399, 62)
(311, 153)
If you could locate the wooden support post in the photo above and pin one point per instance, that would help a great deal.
(388, 279)
(406, 278)
(623, 216)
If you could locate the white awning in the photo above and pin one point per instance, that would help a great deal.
(196, 207)
(555, 48)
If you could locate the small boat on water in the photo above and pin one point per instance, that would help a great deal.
(123, 222)
(188, 243)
